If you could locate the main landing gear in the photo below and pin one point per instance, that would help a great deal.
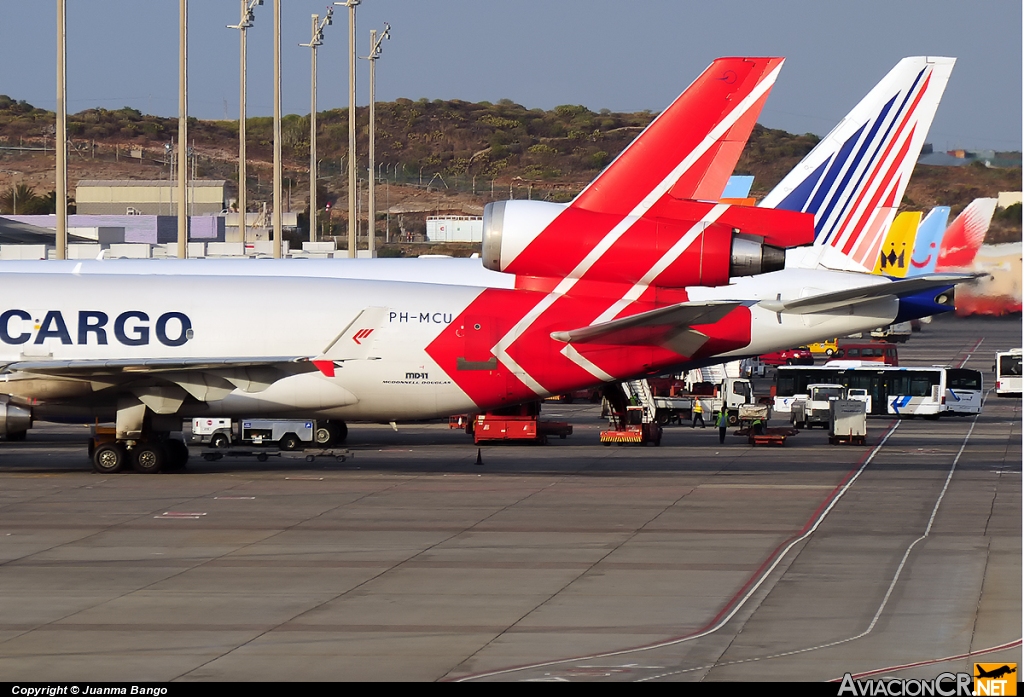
(330, 433)
(134, 443)
(156, 453)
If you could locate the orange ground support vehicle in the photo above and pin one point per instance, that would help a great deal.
(519, 423)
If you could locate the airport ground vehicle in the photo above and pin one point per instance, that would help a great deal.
(521, 422)
(814, 408)
(631, 414)
(861, 395)
(847, 422)
(217, 433)
(896, 333)
(826, 346)
(928, 392)
(631, 426)
(1008, 373)
(796, 356)
(288, 434)
(871, 351)
(675, 404)
(592, 395)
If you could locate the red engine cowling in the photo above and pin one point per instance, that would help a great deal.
(683, 243)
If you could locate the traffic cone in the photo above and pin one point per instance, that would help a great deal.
(479, 460)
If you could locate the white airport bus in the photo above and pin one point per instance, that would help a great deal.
(929, 392)
(1008, 373)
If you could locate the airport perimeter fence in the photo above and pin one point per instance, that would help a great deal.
(332, 171)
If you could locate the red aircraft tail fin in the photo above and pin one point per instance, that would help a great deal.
(963, 238)
(691, 148)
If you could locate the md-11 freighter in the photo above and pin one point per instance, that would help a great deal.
(633, 278)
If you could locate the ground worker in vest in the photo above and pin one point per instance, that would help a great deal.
(723, 423)
(698, 414)
(757, 427)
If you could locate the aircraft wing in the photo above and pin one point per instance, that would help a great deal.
(162, 383)
(824, 302)
(653, 328)
(105, 367)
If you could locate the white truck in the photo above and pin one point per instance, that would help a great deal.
(286, 434)
(734, 392)
(894, 333)
(860, 394)
(815, 408)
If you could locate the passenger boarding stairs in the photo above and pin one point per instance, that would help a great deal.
(714, 374)
(639, 392)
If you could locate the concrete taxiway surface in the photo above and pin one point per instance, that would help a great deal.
(692, 561)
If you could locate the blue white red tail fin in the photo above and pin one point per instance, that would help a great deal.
(854, 180)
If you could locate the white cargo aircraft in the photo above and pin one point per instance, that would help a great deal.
(634, 277)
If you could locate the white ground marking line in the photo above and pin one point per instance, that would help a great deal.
(888, 593)
(721, 623)
(933, 661)
(970, 353)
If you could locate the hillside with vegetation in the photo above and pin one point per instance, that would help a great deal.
(457, 152)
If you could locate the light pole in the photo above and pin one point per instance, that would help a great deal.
(277, 129)
(61, 136)
(244, 23)
(371, 228)
(182, 129)
(353, 224)
(317, 40)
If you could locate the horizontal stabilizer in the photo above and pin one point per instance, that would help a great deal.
(651, 328)
(825, 302)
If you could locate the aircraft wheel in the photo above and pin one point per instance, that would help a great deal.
(178, 454)
(327, 434)
(109, 458)
(150, 458)
(289, 441)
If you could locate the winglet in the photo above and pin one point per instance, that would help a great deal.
(354, 342)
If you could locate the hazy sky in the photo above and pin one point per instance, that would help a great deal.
(626, 55)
